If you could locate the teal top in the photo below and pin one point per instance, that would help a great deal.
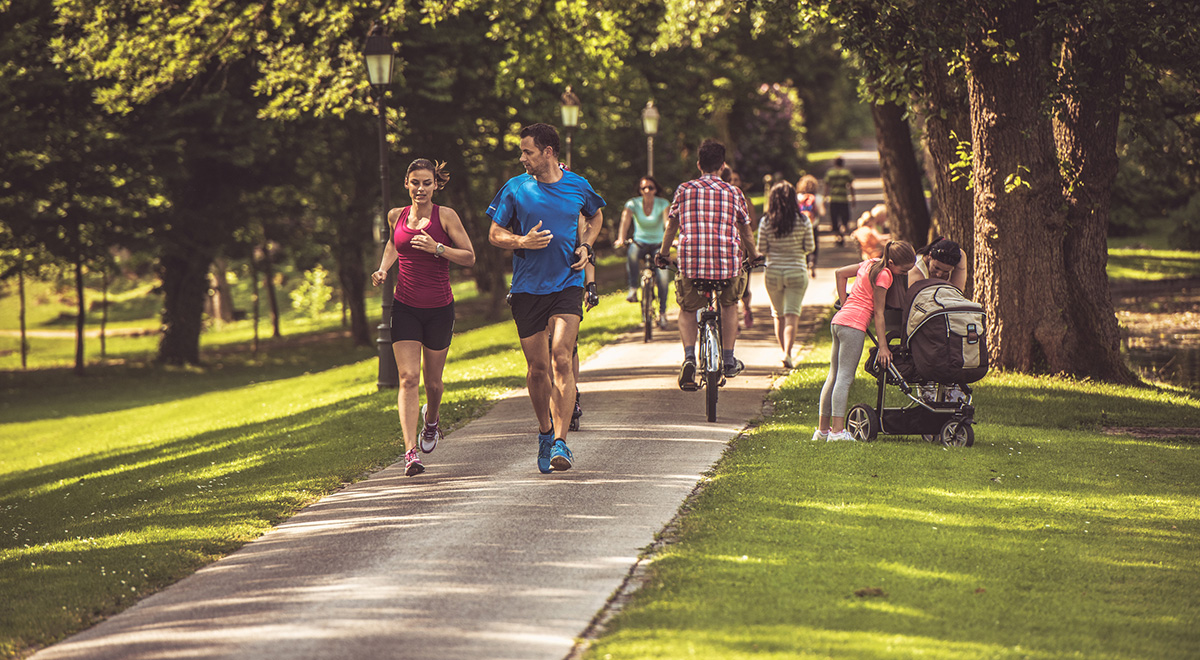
(648, 228)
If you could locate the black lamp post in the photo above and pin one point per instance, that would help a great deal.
(570, 117)
(379, 59)
(650, 124)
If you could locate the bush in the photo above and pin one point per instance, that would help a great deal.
(1186, 220)
(313, 294)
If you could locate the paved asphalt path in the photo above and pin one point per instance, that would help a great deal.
(481, 556)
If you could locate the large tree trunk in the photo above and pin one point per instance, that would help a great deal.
(1021, 275)
(222, 302)
(947, 122)
(269, 281)
(908, 215)
(185, 286)
(1086, 134)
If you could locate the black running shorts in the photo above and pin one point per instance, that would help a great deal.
(432, 326)
(532, 312)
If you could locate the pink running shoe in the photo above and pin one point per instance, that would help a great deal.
(412, 464)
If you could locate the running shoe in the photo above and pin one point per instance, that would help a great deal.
(662, 320)
(734, 368)
(687, 376)
(632, 297)
(578, 412)
(840, 436)
(818, 436)
(545, 442)
(412, 463)
(560, 456)
(431, 433)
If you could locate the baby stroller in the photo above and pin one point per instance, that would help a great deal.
(940, 349)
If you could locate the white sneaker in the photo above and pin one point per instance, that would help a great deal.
(818, 436)
(840, 436)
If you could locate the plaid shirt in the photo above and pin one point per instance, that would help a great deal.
(709, 212)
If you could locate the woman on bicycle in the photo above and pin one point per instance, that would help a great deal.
(425, 238)
(785, 236)
(646, 214)
(872, 279)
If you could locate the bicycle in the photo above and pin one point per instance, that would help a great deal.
(649, 296)
(710, 363)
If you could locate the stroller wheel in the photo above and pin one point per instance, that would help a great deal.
(862, 422)
(956, 434)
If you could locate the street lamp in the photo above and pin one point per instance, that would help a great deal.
(570, 117)
(650, 124)
(380, 59)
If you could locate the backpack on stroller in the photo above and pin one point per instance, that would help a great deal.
(940, 348)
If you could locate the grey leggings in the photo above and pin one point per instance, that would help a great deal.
(843, 363)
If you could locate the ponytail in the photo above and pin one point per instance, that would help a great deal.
(893, 252)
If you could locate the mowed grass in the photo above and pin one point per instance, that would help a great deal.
(117, 484)
(1144, 264)
(1047, 539)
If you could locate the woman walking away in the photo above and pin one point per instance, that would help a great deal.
(425, 238)
(873, 278)
(647, 215)
(785, 236)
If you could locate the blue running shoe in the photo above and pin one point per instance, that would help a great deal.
(545, 441)
(560, 456)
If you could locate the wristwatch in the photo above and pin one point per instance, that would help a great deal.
(440, 249)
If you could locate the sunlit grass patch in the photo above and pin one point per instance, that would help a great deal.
(1047, 539)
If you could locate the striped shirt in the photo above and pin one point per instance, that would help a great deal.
(789, 251)
(709, 212)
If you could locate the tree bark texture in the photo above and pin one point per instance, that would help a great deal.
(353, 276)
(947, 121)
(185, 287)
(1020, 275)
(1086, 136)
(908, 215)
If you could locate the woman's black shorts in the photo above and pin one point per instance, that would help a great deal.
(532, 312)
(431, 326)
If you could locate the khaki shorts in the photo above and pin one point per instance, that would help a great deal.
(690, 299)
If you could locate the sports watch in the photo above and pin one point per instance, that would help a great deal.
(440, 249)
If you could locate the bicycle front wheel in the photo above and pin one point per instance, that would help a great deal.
(647, 311)
(712, 368)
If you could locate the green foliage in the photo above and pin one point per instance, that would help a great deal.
(1047, 539)
(313, 295)
(1186, 220)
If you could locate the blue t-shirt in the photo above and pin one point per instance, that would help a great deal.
(648, 228)
(522, 203)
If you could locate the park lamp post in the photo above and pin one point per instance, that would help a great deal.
(650, 125)
(570, 117)
(380, 60)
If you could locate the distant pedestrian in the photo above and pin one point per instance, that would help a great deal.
(839, 192)
(870, 240)
(537, 216)
(872, 280)
(785, 237)
(730, 175)
(425, 238)
(643, 221)
(814, 209)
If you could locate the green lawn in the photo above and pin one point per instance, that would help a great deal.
(115, 485)
(1047, 539)
(1144, 264)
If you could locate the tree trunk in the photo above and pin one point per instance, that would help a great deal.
(908, 215)
(353, 276)
(947, 122)
(1086, 135)
(24, 338)
(222, 295)
(254, 287)
(185, 286)
(1021, 275)
(103, 312)
(81, 313)
(269, 281)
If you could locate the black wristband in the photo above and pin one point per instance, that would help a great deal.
(591, 252)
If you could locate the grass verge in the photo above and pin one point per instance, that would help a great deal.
(115, 485)
(1048, 539)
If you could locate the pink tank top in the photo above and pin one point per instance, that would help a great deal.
(423, 279)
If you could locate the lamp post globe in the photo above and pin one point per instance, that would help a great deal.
(650, 125)
(380, 58)
(570, 117)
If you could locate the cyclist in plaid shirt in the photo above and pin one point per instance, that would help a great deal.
(711, 218)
